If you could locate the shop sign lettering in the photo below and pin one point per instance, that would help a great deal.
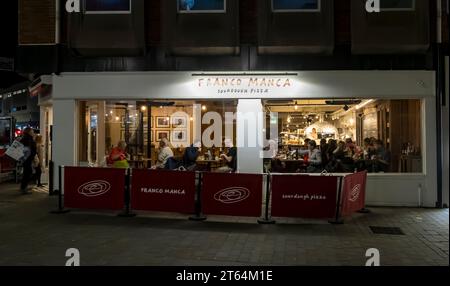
(305, 197)
(244, 85)
(163, 191)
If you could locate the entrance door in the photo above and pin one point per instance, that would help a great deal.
(92, 142)
(92, 133)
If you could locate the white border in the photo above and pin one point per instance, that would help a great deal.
(106, 12)
(201, 11)
(319, 8)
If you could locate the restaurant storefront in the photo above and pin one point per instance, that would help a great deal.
(391, 111)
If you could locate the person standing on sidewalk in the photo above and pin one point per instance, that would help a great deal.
(39, 160)
(28, 141)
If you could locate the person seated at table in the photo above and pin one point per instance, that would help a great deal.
(314, 157)
(382, 157)
(336, 156)
(118, 157)
(332, 145)
(190, 156)
(270, 153)
(368, 149)
(230, 158)
(348, 163)
(306, 143)
(164, 153)
(324, 151)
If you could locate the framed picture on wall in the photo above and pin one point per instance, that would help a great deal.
(179, 135)
(179, 122)
(160, 134)
(152, 136)
(162, 122)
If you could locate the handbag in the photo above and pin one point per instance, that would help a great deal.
(35, 162)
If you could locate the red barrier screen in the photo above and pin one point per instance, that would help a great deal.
(94, 188)
(304, 196)
(7, 164)
(354, 193)
(232, 194)
(165, 191)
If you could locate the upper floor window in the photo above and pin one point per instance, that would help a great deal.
(397, 5)
(202, 6)
(107, 6)
(296, 5)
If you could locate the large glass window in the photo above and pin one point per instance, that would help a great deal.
(347, 135)
(201, 6)
(107, 6)
(397, 5)
(295, 5)
(143, 125)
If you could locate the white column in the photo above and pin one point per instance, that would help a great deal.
(445, 130)
(249, 158)
(101, 149)
(65, 131)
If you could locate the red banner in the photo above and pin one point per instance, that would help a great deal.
(354, 193)
(94, 188)
(7, 164)
(232, 194)
(304, 196)
(165, 191)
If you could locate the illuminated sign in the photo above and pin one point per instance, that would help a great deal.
(244, 85)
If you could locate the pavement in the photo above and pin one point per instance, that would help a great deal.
(31, 236)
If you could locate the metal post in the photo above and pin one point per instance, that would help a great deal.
(127, 212)
(51, 175)
(198, 216)
(60, 209)
(266, 219)
(338, 219)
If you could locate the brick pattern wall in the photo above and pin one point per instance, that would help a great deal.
(39, 28)
(36, 22)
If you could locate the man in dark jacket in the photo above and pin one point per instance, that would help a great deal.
(28, 141)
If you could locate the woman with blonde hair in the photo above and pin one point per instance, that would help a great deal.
(38, 162)
(164, 154)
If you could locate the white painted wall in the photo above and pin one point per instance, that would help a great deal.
(248, 132)
(306, 84)
(65, 132)
(445, 131)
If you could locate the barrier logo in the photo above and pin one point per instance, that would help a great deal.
(94, 188)
(355, 192)
(232, 195)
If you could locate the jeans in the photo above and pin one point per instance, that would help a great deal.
(26, 176)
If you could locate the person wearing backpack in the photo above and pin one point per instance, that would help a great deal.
(190, 156)
(29, 143)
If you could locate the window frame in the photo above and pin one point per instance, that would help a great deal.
(318, 10)
(123, 12)
(413, 8)
(224, 11)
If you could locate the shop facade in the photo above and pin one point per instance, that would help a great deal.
(248, 96)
